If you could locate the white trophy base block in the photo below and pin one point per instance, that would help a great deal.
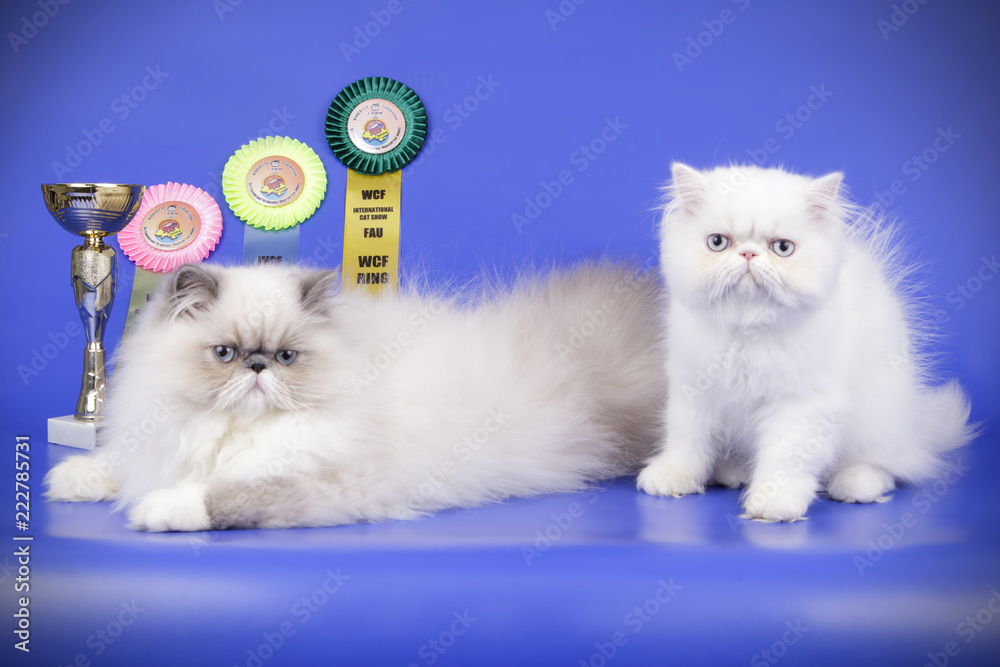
(72, 432)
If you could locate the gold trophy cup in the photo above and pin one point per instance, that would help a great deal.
(92, 210)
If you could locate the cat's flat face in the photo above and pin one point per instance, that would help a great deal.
(747, 241)
(249, 340)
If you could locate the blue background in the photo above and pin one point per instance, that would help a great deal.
(515, 93)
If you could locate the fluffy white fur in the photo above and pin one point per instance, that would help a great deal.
(791, 373)
(391, 407)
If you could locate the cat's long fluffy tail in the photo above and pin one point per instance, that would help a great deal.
(943, 425)
(945, 413)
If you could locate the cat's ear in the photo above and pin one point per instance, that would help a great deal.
(317, 287)
(193, 288)
(689, 186)
(824, 195)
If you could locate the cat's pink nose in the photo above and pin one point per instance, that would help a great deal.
(749, 254)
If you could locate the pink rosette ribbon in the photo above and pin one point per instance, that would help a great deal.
(176, 224)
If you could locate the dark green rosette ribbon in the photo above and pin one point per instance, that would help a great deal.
(376, 125)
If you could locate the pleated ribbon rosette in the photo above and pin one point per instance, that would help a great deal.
(274, 183)
(176, 224)
(376, 125)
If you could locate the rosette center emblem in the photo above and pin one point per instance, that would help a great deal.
(168, 230)
(273, 186)
(375, 132)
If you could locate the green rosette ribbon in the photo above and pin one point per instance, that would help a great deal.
(376, 125)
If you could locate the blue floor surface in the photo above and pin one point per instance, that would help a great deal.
(609, 576)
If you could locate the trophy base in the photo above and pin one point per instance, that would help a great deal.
(72, 432)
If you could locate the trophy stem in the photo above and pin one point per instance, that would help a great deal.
(93, 242)
(95, 272)
(89, 406)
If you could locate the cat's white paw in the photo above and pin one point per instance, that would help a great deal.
(181, 509)
(661, 478)
(860, 483)
(83, 478)
(777, 509)
(771, 501)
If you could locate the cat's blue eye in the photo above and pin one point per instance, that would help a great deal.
(718, 242)
(783, 247)
(224, 353)
(286, 357)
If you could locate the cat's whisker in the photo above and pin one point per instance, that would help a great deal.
(232, 393)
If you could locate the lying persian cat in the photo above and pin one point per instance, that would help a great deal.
(256, 397)
(792, 348)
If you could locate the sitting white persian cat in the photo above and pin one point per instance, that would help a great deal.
(792, 341)
(256, 397)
